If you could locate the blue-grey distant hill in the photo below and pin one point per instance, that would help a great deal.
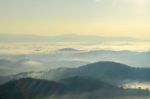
(60, 38)
(111, 72)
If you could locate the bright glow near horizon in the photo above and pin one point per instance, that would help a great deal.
(86, 17)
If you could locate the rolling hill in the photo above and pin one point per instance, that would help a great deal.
(28, 88)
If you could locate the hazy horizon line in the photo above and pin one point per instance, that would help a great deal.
(8, 37)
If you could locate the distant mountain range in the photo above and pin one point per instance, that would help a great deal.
(61, 38)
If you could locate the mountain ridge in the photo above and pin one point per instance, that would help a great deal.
(42, 88)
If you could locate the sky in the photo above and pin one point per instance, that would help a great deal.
(129, 18)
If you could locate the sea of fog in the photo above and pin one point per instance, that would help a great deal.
(20, 48)
(17, 57)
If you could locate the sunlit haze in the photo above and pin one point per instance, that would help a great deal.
(130, 18)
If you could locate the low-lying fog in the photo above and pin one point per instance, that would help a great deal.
(136, 85)
(41, 56)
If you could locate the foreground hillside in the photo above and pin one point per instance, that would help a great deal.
(75, 87)
(28, 88)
